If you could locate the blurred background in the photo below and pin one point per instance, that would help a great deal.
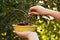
(14, 11)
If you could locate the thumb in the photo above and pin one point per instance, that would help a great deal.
(21, 33)
(18, 33)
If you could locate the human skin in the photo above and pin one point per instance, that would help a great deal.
(38, 10)
(27, 34)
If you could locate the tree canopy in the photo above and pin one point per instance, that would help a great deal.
(14, 11)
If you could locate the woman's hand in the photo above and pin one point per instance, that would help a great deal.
(38, 10)
(29, 35)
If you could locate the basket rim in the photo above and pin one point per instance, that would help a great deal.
(15, 25)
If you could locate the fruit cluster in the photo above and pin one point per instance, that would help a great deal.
(23, 23)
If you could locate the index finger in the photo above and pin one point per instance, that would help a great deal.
(32, 9)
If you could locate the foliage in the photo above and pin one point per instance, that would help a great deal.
(14, 11)
(49, 31)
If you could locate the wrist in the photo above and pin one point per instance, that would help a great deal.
(33, 36)
(49, 12)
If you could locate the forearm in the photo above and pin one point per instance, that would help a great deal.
(54, 14)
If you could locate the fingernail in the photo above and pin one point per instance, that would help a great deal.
(14, 31)
(29, 13)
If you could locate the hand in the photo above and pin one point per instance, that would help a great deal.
(38, 10)
(29, 35)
